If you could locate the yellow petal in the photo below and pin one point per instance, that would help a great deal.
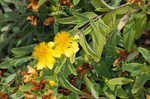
(68, 52)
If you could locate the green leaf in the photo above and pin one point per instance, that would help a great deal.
(69, 86)
(90, 87)
(10, 78)
(119, 81)
(135, 68)
(115, 2)
(19, 61)
(139, 82)
(26, 87)
(100, 3)
(129, 34)
(98, 39)
(5, 64)
(121, 93)
(110, 19)
(122, 10)
(97, 3)
(75, 2)
(41, 2)
(14, 62)
(59, 67)
(22, 51)
(109, 94)
(77, 19)
(71, 68)
(86, 47)
(131, 56)
(102, 69)
(141, 20)
(104, 28)
(145, 53)
(102, 9)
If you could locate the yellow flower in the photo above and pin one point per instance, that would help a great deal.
(51, 83)
(66, 44)
(45, 55)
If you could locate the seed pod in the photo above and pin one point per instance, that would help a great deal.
(118, 52)
(71, 5)
(73, 82)
(80, 68)
(35, 83)
(68, 1)
(35, 88)
(132, 1)
(48, 21)
(117, 62)
(139, 3)
(64, 2)
(1, 73)
(43, 82)
(50, 92)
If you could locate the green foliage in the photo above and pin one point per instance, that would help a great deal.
(113, 58)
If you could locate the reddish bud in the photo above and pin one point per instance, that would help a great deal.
(1, 73)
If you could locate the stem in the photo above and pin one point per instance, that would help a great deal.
(106, 5)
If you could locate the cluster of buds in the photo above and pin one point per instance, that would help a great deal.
(30, 75)
(66, 2)
(34, 20)
(138, 2)
(39, 86)
(34, 6)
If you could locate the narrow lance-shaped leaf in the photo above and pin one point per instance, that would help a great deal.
(141, 19)
(135, 68)
(110, 19)
(86, 47)
(98, 39)
(59, 67)
(129, 33)
(41, 2)
(90, 87)
(132, 56)
(139, 82)
(75, 2)
(145, 53)
(100, 3)
(69, 86)
(10, 78)
(104, 28)
(76, 19)
(119, 81)
(22, 51)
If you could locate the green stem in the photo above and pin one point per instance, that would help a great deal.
(58, 68)
(106, 5)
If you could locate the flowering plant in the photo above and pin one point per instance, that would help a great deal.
(74, 49)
